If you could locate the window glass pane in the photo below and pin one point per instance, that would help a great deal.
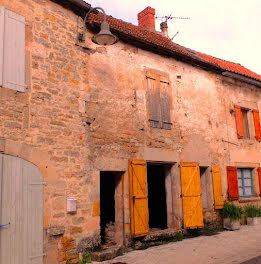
(240, 183)
(240, 191)
(248, 191)
(247, 173)
(247, 182)
(239, 173)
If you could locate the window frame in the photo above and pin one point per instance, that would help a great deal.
(243, 181)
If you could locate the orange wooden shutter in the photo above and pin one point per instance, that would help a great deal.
(217, 188)
(233, 193)
(259, 178)
(239, 122)
(165, 103)
(257, 124)
(138, 198)
(154, 100)
(191, 195)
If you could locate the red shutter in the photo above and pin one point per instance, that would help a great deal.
(257, 124)
(239, 122)
(232, 183)
(259, 178)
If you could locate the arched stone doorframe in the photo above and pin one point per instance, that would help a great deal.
(37, 157)
(29, 153)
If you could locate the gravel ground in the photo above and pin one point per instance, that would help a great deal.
(228, 247)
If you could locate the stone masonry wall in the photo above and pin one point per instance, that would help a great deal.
(87, 111)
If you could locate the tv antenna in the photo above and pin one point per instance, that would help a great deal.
(165, 21)
(166, 18)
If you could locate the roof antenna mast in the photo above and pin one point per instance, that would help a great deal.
(164, 24)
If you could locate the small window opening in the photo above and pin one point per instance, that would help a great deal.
(245, 122)
(157, 196)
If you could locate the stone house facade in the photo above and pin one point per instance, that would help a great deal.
(143, 135)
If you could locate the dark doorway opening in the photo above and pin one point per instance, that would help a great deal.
(157, 196)
(204, 186)
(111, 208)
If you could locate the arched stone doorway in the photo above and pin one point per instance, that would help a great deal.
(21, 211)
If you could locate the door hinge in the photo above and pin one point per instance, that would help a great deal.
(38, 256)
(38, 183)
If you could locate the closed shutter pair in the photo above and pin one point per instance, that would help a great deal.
(233, 192)
(240, 123)
(159, 100)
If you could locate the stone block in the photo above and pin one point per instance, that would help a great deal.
(56, 230)
(96, 209)
(67, 243)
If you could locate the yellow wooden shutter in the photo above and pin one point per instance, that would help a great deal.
(217, 187)
(138, 198)
(191, 195)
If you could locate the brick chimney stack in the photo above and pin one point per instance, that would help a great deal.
(146, 18)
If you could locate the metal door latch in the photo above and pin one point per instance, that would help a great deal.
(5, 225)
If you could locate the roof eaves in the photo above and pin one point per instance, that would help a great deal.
(79, 7)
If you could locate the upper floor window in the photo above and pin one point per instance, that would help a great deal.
(245, 122)
(243, 116)
(159, 100)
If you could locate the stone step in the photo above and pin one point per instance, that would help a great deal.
(106, 254)
(161, 235)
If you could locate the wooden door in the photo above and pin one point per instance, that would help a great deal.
(191, 195)
(21, 189)
(138, 198)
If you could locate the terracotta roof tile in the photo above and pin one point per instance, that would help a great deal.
(156, 40)
(230, 66)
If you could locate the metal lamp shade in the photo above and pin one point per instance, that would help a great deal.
(104, 37)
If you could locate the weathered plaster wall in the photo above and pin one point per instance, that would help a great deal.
(88, 112)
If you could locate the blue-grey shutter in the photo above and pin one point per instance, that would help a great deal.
(14, 51)
(2, 21)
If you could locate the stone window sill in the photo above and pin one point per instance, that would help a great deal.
(250, 199)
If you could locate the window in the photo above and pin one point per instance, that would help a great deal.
(12, 50)
(245, 182)
(243, 116)
(159, 100)
(245, 123)
(240, 182)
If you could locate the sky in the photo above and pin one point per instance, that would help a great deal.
(226, 29)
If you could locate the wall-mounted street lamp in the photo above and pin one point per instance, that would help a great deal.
(104, 37)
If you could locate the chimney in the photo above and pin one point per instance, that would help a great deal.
(146, 18)
(164, 29)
